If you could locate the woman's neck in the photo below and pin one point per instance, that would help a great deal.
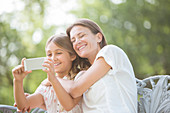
(91, 59)
(93, 56)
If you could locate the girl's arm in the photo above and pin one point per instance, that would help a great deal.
(23, 102)
(65, 99)
(29, 102)
(29, 109)
(98, 69)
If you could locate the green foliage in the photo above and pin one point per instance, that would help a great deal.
(141, 28)
(16, 32)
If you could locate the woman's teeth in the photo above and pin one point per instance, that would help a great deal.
(82, 47)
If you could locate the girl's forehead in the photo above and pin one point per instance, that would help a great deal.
(53, 47)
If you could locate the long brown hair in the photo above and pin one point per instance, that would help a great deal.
(63, 41)
(94, 28)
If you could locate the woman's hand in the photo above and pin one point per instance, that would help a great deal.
(19, 73)
(49, 64)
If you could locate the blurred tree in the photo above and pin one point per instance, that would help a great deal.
(20, 35)
(140, 27)
(10, 50)
(24, 30)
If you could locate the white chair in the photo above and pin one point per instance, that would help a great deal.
(12, 109)
(154, 94)
(7, 109)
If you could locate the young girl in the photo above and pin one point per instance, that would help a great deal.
(109, 85)
(62, 62)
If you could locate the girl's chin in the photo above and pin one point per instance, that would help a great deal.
(57, 70)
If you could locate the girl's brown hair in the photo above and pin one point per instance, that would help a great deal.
(63, 41)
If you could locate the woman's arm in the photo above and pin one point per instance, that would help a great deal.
(98, 69)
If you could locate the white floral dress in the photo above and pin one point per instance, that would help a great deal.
(52, 103)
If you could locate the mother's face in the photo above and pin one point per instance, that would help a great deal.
(85, 43)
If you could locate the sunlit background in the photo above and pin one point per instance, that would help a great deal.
(140, 27)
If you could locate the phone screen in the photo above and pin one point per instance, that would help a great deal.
(34, 63)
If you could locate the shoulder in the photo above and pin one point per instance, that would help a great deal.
(110, 50)
(42, 89)
(111, 53)
(46, 82)
(79, 75)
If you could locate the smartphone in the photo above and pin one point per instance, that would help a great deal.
(34, 63)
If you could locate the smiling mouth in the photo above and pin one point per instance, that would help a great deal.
(57, 64)
(82, 47)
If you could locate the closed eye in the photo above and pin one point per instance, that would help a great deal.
(73, 40)
(82, 35)
(59, 53)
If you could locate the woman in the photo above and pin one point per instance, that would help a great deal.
(62, 63)
(109, 85)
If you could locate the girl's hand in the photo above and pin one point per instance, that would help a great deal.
(49, 64)
(19, 73)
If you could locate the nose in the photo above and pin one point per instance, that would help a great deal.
(78, 41)
(53, 57)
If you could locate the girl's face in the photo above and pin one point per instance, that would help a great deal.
(85, 43)
(62, 59)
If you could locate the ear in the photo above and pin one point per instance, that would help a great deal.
(99, 37)
(73, 57)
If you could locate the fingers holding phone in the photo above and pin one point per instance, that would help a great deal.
(19, 72)
(49, 64)
(27, 65)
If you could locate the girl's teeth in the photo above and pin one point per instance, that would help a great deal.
(57, 64)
